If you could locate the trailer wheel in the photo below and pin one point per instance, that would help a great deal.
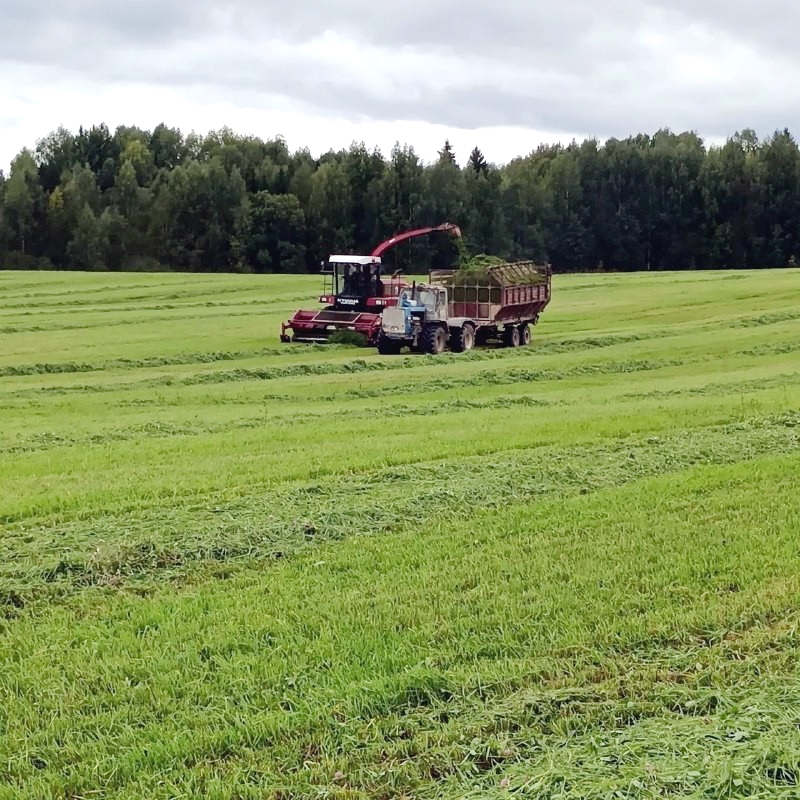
(435, 340)
(463, 338)
(483, 334)
(511, 336)
(524, 334)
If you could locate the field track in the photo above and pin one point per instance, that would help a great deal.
(231, 568)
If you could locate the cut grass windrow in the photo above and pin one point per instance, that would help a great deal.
(168, 540)
(563, 346)
(159, 430)
(368, 365)
(178, 359)
(497, 377)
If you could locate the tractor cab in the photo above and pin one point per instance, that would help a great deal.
(429, 301)
(417, 306)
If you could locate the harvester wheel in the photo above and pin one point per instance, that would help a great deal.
(435, 340)
(388, 347)
(524, 334)
(511, 336)
(463, 339)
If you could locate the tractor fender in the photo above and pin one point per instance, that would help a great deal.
(456, 323)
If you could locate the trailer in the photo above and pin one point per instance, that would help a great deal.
(462, 308)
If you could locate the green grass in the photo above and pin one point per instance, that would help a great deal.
(231, 568)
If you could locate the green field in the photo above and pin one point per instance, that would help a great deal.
(231, 568)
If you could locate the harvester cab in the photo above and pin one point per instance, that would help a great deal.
(355, 282)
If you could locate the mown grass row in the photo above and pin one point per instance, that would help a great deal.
(114, 296)
(337, 360)
(159, 430)
(564, 346)
(358, 366)
(49, 440)
(67, 483)
(134, 320)
(171, 542)
(147, 363)
(568, 345)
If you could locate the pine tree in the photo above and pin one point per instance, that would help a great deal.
(447, 155)
(477, 162)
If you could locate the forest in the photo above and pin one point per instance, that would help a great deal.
(139, 200)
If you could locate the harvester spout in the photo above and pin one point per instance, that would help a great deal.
(445, 227)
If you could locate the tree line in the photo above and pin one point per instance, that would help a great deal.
(141, 200)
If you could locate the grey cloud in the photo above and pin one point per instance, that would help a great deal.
(767, 25)
(491, 27)
(577, 66)
(514, 25)
(59, 33)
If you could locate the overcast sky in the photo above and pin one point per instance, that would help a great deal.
(503, 74)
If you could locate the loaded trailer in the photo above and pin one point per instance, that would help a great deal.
(461, 308)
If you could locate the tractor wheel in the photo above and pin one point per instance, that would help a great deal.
(511, 336)
(388, 347)
(435, 340)
(524, 334)
(463, 339)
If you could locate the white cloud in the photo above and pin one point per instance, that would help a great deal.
(506, 76)
(146, 106)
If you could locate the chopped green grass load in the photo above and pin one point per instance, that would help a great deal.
(475, 269)
(481, 262)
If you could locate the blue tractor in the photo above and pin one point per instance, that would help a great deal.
(421, 322)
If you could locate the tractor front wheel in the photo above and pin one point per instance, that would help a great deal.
(463, 339)
(511, 336)
(387, 346)
(435, 340)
